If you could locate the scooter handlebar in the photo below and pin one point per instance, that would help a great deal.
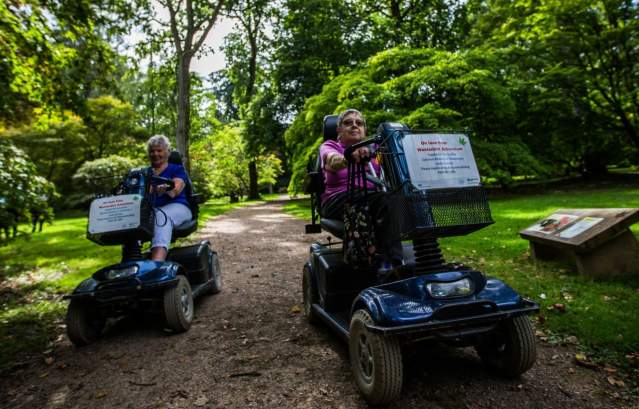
(348, 153)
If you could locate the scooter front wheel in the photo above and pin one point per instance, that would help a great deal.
(376, 361)
(178, 306)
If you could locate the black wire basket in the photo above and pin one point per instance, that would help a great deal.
(440, 212)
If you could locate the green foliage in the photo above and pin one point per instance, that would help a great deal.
(60, 143)
(55, 54)
(220, 164)
(22, 189)
(112, 128)
(424, 88)
(98, 176)
(572, 66)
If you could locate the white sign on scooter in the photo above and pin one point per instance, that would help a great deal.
(437, 161)
(114, 213)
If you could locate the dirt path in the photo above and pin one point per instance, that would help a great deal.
(249, 348)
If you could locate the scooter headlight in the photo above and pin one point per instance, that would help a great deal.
(459, 288)
(116, 273)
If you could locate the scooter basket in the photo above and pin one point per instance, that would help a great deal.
(440, 212)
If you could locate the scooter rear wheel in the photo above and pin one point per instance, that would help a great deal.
(215, 273)
(84, 323)
(309, 295)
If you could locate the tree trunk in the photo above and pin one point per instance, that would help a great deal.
(253, 192)
(184, 108)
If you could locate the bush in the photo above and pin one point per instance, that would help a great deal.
(95, 177)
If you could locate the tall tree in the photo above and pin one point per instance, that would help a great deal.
(189, 23)
(251, 16)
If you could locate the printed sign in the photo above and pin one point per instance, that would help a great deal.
(114, 213)
(440, 161)
(553, 223)
(580, 227)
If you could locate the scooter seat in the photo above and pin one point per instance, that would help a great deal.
(333, 226)
(184, 229)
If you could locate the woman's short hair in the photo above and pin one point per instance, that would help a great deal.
(158, 140)
(347, 112)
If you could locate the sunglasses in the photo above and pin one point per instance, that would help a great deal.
(351, 122)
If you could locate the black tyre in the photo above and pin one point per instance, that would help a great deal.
(309, 295)
(84, 323)
(215, 273)
(178, 306)
(510, 349)
(376, 361)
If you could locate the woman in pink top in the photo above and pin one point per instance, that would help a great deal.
(351, 128)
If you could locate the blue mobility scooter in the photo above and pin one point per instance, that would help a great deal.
(424, 300)
(127, 219)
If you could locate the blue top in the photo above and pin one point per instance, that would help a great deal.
(170, 172)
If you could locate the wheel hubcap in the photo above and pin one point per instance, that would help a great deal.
(185, 300)
(365, 357)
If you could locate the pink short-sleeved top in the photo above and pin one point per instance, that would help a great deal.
(337, 182)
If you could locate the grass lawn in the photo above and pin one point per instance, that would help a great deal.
(603, 315)
(37, 269)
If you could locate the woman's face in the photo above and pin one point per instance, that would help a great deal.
(352, 130)
(158, 155)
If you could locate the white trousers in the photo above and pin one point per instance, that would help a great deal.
(166, 217)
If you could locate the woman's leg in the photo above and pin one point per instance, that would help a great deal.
(334, 207)
(386, 229)
(166, 217)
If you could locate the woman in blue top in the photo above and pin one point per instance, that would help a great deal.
(171, 206)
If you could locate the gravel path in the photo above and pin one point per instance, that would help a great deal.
(249, 347)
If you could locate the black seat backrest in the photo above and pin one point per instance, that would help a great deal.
(176, 158)
(330, 127)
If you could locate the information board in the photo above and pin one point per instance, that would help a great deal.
(115, 213)
(440, 160)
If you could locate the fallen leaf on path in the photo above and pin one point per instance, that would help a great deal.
(48, 360)
(201, 401)
(100, 394)
(296, 309)
(616, 382)
(610, 369)
(571, 370)
(583, 360)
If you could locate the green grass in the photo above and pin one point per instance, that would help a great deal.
(37, 269)
(601, 314)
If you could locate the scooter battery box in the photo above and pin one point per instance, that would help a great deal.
(338, 282)
(120, 219)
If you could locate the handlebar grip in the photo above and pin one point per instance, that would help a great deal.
(157, 180)
(348, 152)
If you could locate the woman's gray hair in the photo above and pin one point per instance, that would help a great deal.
(349, 111)
(158, 140)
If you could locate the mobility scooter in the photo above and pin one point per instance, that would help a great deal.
(127, 218)
(433, 190)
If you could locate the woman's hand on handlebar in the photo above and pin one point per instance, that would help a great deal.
(162, 188)
(360, 154)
